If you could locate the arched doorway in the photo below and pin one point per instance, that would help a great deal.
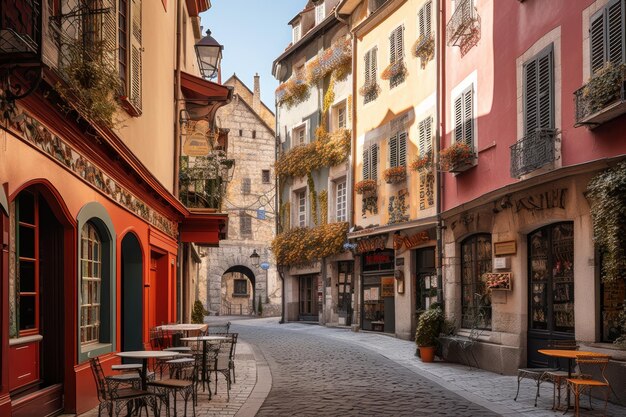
(238, 291)
(132, 293)
(44, 261)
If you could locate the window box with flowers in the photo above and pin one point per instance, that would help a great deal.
(498, 281)
(603, 97)
(424, 49)
(366, 188)
(292, 92)
(337, 59)
(395, 72)
(370, 90)
(458, 157)
(395, 175)
(422, 163)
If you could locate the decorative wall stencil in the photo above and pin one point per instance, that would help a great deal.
(32, 131)
(370, 203)
(427, 190)
(398, 208)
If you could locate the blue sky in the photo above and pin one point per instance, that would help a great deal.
(254, 33)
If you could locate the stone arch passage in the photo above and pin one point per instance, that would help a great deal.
(238, 299)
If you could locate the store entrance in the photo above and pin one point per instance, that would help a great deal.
(308, 298)
(378, 292)
(551, 288)
(345, 290)
(426, 287)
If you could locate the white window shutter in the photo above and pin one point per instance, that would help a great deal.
(468, 117)
(393, 151)
(428, 133)
(136, 52)
(421, 144)
(458, 119)
(402, 137)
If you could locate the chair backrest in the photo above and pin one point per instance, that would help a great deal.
(218, 328)
(102, 385)
(587, 363)
(155, 338)
(569, 344)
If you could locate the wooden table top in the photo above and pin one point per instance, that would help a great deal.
(183, 327)
(570, 354)
(205, 338)
(146, 354)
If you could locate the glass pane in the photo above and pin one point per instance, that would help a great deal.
(538, 280)
(27, 207)
(27, 242)
(563, 277)
(27, 312)
(27, 276)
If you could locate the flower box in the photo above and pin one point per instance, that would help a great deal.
(370, 89)
(393, 70)
(366, 187)
(458, 157)
(395, 175)
(424, 49)
(422, 163)
(497, 281)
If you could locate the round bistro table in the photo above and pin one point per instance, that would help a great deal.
(205, 340)
(144, 355)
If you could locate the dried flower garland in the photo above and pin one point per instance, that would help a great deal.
(292, 92)
(302, 245)
(395, 175)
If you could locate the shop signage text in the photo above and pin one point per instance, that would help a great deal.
(371, 244)
(410, 241)
(378, 258)
(546, 200)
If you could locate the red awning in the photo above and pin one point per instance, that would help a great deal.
(203, 228)
(202, 97)
(195, 7)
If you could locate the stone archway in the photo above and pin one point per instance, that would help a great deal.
(238, 291)
(231, 258)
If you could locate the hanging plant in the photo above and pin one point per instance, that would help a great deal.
(607, 195)
(303, 245)
(393, 70)
(365, 187)
(422, 162)
(424, 49)
(604, 87)
(323, 196)
(89, 85)
(455, 155)
(395, 175)
(293, 91)
(370, 88)
(621, 340)
(336, 59)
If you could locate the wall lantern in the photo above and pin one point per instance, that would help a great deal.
(255, 258)
(209, 52)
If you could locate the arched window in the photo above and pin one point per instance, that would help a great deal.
(475, 300)
(91, 284)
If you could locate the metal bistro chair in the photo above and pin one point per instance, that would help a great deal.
(579, 384)
(231, 362)
(221, 363)
(183, 380)
(218, 329)
(559, 376)
(115, 398)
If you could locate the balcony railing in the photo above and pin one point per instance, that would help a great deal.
(532, 152)
(462, 23)
(20, 29)
(603, 98)
(203, 180)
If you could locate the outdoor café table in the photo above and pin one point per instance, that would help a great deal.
(570, 355)
(144, 355)
(183, 327)
(204, 340)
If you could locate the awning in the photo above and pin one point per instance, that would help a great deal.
(421, 224)
(203, 228)
(202, 97)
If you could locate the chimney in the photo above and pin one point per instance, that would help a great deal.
(256, 97)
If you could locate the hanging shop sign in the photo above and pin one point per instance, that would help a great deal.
(371, 244)
(196, 142)
(387, 286)
(378, 261)
(410, 242)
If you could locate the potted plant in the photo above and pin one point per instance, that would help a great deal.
(604, 86)
(395, 175)
(365, 187)
(429, 326)
(457, 157)
(422, 162)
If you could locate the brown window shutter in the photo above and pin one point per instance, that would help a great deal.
(136, 52)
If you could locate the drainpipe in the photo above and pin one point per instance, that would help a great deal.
(439, 122)
(179, 17)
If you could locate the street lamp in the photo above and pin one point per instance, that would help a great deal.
(209, 52)
(255, 258)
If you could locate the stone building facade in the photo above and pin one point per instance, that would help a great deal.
(250, 204)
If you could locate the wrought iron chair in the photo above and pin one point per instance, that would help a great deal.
(223, 358)
(578, 385)
(559, 376)
(183, 381)
(216, 329)
(234, 337)
(115, 398)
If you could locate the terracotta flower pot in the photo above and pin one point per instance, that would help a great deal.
(427, 353)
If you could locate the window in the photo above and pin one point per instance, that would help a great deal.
(265, 176)
(464, 117)
(539, 92)
(425, 128)
(606, 35)
(91, 284)
(123, 43)
(246, 186)
(370, 75)
(396, 56)
(240, 132)
(254, 134)
(475, 298)
(301, 205)
(296, 33)
(341, 117)
(375, 5)
(123, 32)
(240, 287)
(341, 200)
(397, 150)
(299, 135)
(27, 238)
(320, 13)
(245, 224)
(370, 162)
(424, 20)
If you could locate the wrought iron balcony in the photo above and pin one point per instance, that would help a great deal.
(603, 98)
(20, 30)
(533, 151)
(203, 180)
(462, 23)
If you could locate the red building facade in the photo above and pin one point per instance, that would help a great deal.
(513, 77)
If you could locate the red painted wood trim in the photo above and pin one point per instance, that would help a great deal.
(195, 7)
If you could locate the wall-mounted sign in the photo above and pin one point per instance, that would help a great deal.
(260, 213)
(265, 266)
(410, 241)
(399, 261)
(399, 275)
(386, 286)
(508, 247)
(371, 244)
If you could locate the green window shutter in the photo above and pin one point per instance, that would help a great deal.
(458, 119)
(468, 117)
(615, 32)
(393, 151)
(136, 52)
(402, 149)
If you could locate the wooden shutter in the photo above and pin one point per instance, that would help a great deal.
(468, 117)
(596, 40)
(109, 34)
(427, 17)
(373, 68)
(421, 23)
(374, 162)
(538, 92)
(392, 47)
(615, 32)
(136, 51)
(368, 62)
(393, 151)
(458, 118)
(366, 163)
(396, 44)
(402, 149)
(425, 136)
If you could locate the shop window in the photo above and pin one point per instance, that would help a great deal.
(240, 288)
(475, 298)
(27, 236)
